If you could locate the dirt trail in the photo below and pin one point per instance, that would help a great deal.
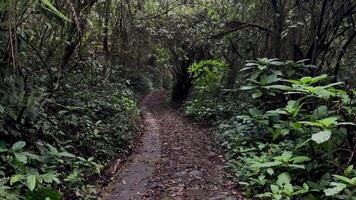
(177, 160)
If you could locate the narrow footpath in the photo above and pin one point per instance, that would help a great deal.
(177, 159)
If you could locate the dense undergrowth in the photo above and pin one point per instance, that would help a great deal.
(286, 135)
(56, 144)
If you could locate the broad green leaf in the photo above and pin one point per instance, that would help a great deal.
(277, 63)
(302, 61)
(270, 171)
(283, 179)
(306, 79)
(265, 80)
(267, 164)
(52, 149)
(348, 170)
(256, 94)
(279, 87)
(244, 117)
(338, 187)
(321, 111)
(31, 182)
(318, 78)
(21, 157)
(332, 85)
(254, 112)
(286, 156)
(277, 112)
(343, 178)
(32, 156)
(296, 166)
(327, 122)
(288, 189)
(317, 124)
(4, 150)
(251, 64)
(249, 87)
(300, 159)
(277, 72)
(66, 154)
(50, 177)
(262, 67)
(15, 178)
(321, 136)
(274, 189)
(320, 92)
(18, 145)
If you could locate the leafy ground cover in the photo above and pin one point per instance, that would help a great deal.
(56, 146)
(286, 135)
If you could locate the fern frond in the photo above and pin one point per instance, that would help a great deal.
(5, 194)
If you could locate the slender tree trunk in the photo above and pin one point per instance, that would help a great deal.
(106, 38)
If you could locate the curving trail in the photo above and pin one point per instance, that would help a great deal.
(177, 159)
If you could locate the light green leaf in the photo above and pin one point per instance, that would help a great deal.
(66, 154)
(15, 178)
(343, 178)
(338, 187)
(52, 149)
(348, 170)
(300, 159)
(46, 4)
(327, 122)
(18, 145)
(31, 182)
(283, 179)
(318, 78)
(4, 150)
(251, 64)
(279, 87)
(321, 136)
(306, 79)
(265, 80)
(270, 171)
(262, 67)
(288, 189)
(21, 157)
(274, 189)
(267, 164)
(286, 156)
(297, 166)
(256, 94)
(321, 111)
(248, 87)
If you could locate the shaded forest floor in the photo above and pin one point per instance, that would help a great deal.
(177, 159)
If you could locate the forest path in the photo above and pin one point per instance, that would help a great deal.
(177, 159)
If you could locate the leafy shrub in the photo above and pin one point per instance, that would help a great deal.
(207, 78)
(292, 134)
(295, 138)
(95, 124)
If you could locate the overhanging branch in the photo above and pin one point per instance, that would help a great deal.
(234, 26)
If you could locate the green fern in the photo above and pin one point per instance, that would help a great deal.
(5, 194)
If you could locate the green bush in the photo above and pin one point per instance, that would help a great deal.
(207, 81)
(293, 137)
(293, 132)
(52, 145)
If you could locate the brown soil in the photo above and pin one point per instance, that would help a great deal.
(178, 159)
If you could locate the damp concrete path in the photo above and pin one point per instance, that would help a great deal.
(177, 159)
